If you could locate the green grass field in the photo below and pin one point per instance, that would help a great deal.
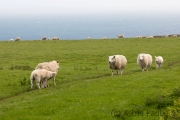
(85, 88)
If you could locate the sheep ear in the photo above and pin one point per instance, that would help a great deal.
(58, 61)
(155, 56)
(114, 56)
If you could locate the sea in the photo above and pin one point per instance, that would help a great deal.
(80, 27)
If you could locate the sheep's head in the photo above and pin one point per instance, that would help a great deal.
(141, 57)
(111, 59)
(157, 59)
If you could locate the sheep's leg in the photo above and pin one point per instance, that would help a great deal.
(42, 83)
(54, 81)
(112, 73)
(38, 85)
(32, 82)
(121, 71)
(160, 65)
(142, 69)
(146, 68)
(46, 83)
(117, 72)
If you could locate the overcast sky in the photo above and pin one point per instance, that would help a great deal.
(76, 7)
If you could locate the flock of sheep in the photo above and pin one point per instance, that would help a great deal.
(43, 38)
(144, 61)
(17, 39)
(119, 36)
(53, 38)
(47, 70)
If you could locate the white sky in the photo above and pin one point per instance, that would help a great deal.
(75, 7)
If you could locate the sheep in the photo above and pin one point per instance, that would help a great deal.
(41, 76)
(150, 37)
(144, 61)
(120, 36)
(88, 38)
(138, 36)
(159, 61)
(104, 38)
(11, 40)
(55, 38)
(44, 38)
(52, 66)
(174, 36)
(117, 62)
(17, 39)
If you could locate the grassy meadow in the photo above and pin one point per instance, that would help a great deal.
(85, 88)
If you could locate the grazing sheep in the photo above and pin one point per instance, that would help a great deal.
(11, 40)
(159, 61)
(52, 66)
(144, 61)
(55, 38)
(17, 39)
(150, 37)
(117, 62)
(49, 38)
(174, 36)
(138, 36)
(120, 36)
(44, 38)
(104, 38)
(41, 76)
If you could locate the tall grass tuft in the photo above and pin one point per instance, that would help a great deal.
(20, 67)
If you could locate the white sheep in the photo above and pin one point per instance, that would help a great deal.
(159, 61)
(11, 40)
(18, 39)
(104, 38)
(144, 61)
(117, 62)
(43, 38)
(138, 36)
(149, 37)
(55, 38)
(120, 36)
(41, 76)
(49, 38)
(52, 66)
